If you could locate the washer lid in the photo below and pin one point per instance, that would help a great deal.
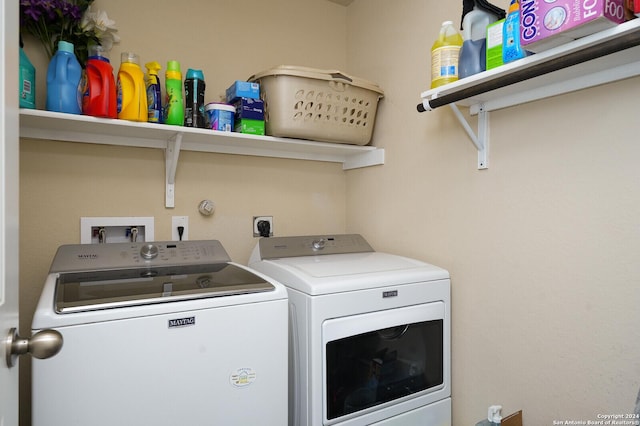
(96, 290)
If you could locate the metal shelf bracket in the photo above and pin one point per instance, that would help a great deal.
(479, 140)
(171, 155)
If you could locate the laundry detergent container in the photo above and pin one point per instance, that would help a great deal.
(321, 105)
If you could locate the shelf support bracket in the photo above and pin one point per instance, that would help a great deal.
(479, 140)
(171, 155)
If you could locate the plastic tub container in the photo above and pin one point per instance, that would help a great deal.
(321, 105)
(220, 116)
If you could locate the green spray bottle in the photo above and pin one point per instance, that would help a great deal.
(174, 101)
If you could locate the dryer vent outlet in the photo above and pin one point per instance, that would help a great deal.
(263, 226)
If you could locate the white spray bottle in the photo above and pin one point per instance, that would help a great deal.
(494, 415)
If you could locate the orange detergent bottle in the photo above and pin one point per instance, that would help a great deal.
(132, 93)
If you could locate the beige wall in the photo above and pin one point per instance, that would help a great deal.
(542, 247)
(62, 182)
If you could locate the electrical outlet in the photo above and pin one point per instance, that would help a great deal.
(257, 220)
(177, 221)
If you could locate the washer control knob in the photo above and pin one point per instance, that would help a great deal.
(149, 251)
(318, 244)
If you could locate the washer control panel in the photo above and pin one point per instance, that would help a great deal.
(97, 257)
(312, 245)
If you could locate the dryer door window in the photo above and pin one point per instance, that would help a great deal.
(376, 358)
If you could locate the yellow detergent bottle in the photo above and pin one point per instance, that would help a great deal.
(132, 93)
(445, 54)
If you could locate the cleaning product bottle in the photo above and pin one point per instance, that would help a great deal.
(194, 99)
(27, 77)
(132, 96)
(444, 55)
(473, 57)
(63, 81)
(99, 97)
(511, 48)
(494, 417)
(154, 94)
(174, 102)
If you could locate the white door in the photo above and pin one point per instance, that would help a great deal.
(9, 139)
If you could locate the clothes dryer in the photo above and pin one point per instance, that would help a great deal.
(369, 332)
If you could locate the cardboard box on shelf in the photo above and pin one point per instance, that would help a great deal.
(494, 44)
(249, 108)
(544, 24)
(249, 127)
(242, 89)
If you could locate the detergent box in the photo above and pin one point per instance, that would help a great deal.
(242, 89)
(549, 23)
(249, 126)
(249, 108)
(494, 44)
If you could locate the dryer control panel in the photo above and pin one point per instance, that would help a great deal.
(312, 245)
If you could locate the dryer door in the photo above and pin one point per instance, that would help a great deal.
(374, 360)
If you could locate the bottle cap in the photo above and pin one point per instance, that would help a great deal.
(173, 66)
(65, 46)
(153, 67)
(129, 57)
(97, 51)
(173, 70)
(191, 73)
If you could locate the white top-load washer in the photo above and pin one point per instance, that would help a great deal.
(369, 332)
(163, 333)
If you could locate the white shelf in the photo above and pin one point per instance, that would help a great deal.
(525, 83)
(38, 124)
(606, 56)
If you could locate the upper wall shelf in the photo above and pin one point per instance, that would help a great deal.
(38, 124)
(606, 56)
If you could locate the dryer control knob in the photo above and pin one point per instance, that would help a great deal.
(149, 251)
(318, 244)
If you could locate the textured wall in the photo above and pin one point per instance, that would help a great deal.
(542, 247)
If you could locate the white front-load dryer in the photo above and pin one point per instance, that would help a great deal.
(369, 332)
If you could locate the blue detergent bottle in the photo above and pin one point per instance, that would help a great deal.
(64, 73)
(511, 47)
(473, 58)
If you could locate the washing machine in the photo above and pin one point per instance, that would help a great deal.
(162, 333)
(369, 332)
